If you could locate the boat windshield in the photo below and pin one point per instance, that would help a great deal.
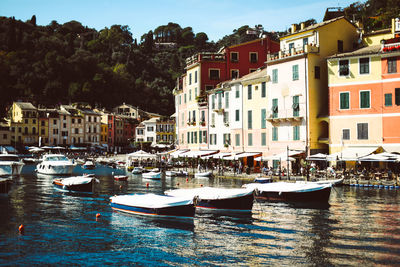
(57, 158)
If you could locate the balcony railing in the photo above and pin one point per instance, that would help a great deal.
(209, 56)
(286, 115)
(391, 45)
(293, 52)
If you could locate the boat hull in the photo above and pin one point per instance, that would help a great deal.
(317, 196)
(11, 169)
(152, 176)
(55, 170)
(86, 187)
(121, 178)
(242, 203)
(203, 174)
(176, 211)
(5, 185)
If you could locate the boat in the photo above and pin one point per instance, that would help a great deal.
(333, 182)
(218, 199)
(10, 165)
(120, 177)
(181, 173)
(5, 185)
(76, 183)
(206, 174)
(152, 175)
(55, 164)
(291, 192)
(89, 165)
(263, 180)
(137, 170)
(154, 205)
(170, 173)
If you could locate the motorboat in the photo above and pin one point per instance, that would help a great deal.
(55, 164)
(181, 173)
(137, 170)
(154, 205)
(152, 175)
(82, 183)
(10, 165)
(263, 180)
(220, 199)
(206, 174)
(291, 192)
(170, 173)
(333, 182)
(120, 177)
(89, 165)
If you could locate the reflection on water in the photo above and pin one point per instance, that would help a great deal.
(359, 227)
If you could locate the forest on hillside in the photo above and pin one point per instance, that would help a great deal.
(66, 63)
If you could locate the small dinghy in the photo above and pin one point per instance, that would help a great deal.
(76, 184)
(152, 175)
(121, 177)
(224, 199)
(154, 205)
(203, 174)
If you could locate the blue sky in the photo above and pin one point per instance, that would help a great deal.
(216, 18)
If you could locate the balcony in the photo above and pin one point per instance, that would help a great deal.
(204, 56)
(286, 115)
(391, 45)
(201, 100)
(295, 51)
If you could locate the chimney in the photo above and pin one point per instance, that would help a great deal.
(302, 26)
(293, 28)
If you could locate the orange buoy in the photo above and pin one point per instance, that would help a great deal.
(201, 185)
(21, 229)
(98, 215)
(147, 185)
(187, 179)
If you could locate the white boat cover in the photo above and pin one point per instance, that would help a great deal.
(76, 180)
(152, 201)
(287, 187)
(210, 192)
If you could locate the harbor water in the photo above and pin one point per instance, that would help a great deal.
(361, 227)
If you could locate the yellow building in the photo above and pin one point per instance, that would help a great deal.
(299, 73)
(24, 123)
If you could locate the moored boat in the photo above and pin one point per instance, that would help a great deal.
(206, 174)
(55, 164)
(137, 170)
(170, 173)
(121, 177)
(89, 165)
(333, 182)
(76, 184)
(223, 199)
(152, 175)
(292, 192)
(10, 165)
(154, 205)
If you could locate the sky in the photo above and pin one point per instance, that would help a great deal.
(216, 18)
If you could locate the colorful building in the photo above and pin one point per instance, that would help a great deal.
(23, 123)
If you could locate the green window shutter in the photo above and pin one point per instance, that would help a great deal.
(296, 133)
(364, 99)
(263, 89)
(344, 101)
(388, 100)
(296, 107)
(249, 96)
(397, 96)
(263, 139)
(200, 137)
(295, 72)
(249, 119)
(275, 134)
(275, 108)
(263, 118)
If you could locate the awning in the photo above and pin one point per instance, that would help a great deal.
(353, 153)
(198, 153)
(176, 154)
(274, 158)
(243, 155)
(319, 156)
(220, 155)
(391, 149)
(285, 155)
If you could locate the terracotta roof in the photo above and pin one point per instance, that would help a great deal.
(373, 49)
(25, 105)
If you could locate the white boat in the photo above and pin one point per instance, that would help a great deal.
(333, 182)
(137, 170)
(152, 175)
(89, 165)
(154, 205)
(170, 173)
(203, 174)
(220, 199)
(55, 164)
(76, 184)
(10, 165)
(182, 173)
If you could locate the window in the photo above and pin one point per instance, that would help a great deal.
(392, 62)
(214, 74)
(253, 57)
(296, 132)
(190, 78)
(364, 99)
(249, 119)
(213, 101)
(190, 94)
(317, 72)
(42, 123)
(364, 65)
(195, 76)
(362, 131)
(234, 57)
(344, 100)
(180, 99)
(54, 122)
(188, 138)
(263, 139)
(227, 139)
(237, 116)
(263, 118)
(340, 46)
(226, 99)
(219, 100)
(234, 74)
(275, 108)
(305, 42)
(397, 96)
(209, 87)
(263, 89)
(275, 76)
(226, 117)
(237, 139)
(296, 106)
(291, 46)
(213, 119)
(184, 97)
(250, 139)
(344, 67)
(195, 92)
(249, 91)
(346, 134)
(295, 72)
(275, 134)
(195, 137)
(237, 93)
